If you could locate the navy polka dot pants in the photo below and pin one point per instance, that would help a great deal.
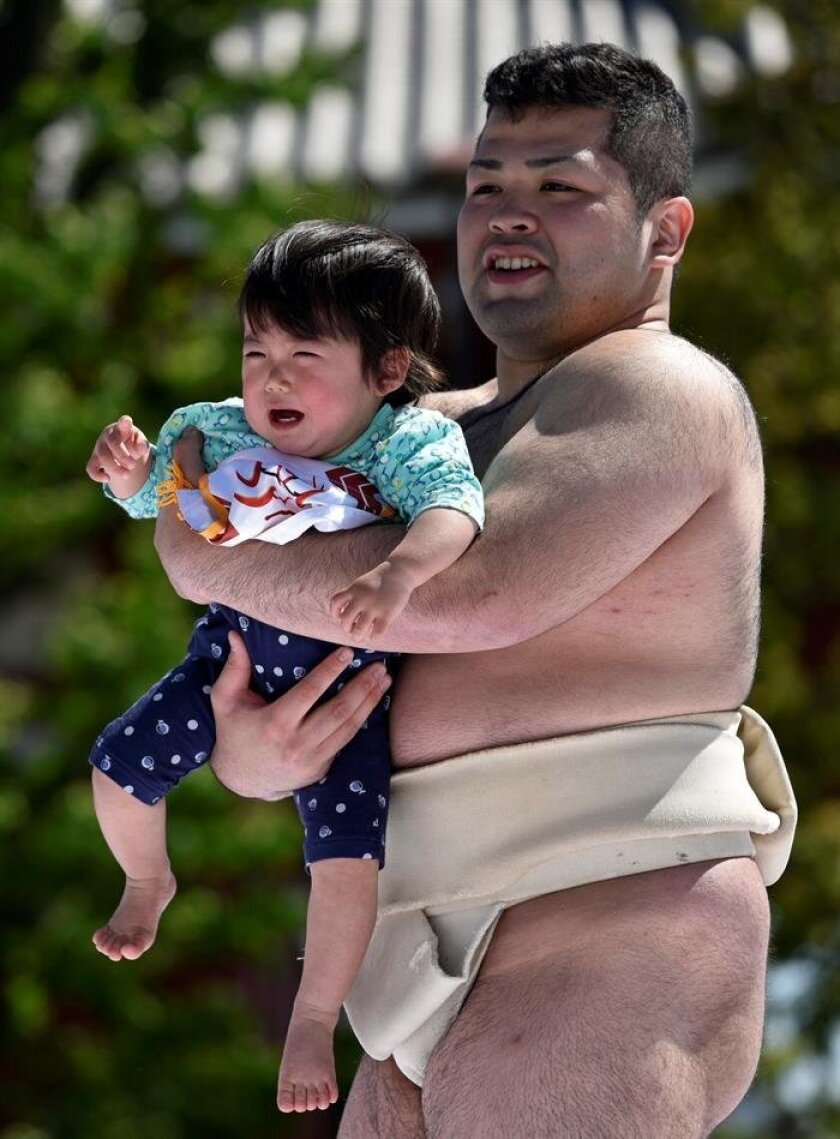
(170, 732)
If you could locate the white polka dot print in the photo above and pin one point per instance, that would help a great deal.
(175, 759)
(157, 696)
(105, 763)
(299, 672)
(324, 832)
(216, 651)
(129, 731)
(192, 725)
(283, 639)
(340, 808)
(148, 763)
(243, 623)
(161, 727)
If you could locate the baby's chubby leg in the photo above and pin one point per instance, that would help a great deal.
(136, 835)
(339, 924)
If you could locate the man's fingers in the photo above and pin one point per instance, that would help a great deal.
(191, 437)
(342, 717)
(308, 691)
(232, 687)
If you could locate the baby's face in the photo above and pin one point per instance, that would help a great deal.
(306, 397)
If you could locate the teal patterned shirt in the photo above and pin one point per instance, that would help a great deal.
(416, 458)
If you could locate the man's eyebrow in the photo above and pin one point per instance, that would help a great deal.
(534, 163)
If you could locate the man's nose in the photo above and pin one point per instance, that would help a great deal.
(513, 218)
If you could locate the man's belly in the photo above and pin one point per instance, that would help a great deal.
(564, 681)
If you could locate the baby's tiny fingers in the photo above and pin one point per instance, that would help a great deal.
(338, 603)
(95, 471)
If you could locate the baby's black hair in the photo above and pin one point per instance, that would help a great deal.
(328, 278)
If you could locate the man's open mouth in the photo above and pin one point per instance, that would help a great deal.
(511, 267)
(512, 264)
(284, 417)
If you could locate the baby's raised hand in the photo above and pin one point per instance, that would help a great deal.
(121, 457)
(370, 603)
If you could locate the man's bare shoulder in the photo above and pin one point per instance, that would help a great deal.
(641, 372)
(457, 401)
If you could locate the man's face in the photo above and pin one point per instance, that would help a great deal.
(550, 249)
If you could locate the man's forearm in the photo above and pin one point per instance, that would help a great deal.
(290, 586)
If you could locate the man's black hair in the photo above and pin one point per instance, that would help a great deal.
(651, 125)
(328, 278)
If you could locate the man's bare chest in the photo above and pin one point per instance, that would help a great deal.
(488, 430)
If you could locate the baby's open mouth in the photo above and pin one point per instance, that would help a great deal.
(283, 416)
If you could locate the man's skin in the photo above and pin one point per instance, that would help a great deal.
(616, 580)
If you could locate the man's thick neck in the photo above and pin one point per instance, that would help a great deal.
(514, 372)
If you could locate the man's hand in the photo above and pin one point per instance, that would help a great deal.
(266, 751)
(121, 457)
(187, 454)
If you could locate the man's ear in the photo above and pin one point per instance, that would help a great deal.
(392, 371)
(671, 222)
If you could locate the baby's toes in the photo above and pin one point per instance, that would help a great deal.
(300, 1097)
(105, 941)
(286, 1097)
(312, 1097)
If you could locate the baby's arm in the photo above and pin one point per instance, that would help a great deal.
(121, 457)
(437, 538)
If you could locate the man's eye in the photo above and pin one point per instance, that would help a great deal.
(303, 352)
(557, 186)
(485, 188)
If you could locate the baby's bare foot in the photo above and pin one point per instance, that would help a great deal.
(133, 925)
(307, 1074)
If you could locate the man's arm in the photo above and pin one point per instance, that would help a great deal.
(631, 437)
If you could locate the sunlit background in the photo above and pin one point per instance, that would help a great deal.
(146, 149)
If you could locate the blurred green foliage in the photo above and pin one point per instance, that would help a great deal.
(760, 287)
(114, 304)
